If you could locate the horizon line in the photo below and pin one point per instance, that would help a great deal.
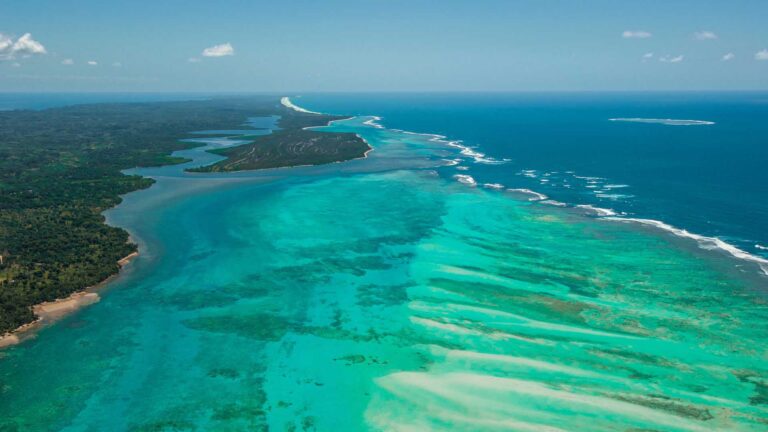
(300, 92)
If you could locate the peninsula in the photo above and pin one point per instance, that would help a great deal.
(294, 144)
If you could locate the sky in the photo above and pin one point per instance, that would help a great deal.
(383, 45)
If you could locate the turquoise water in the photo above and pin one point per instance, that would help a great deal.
(709, 179)
(381, 294)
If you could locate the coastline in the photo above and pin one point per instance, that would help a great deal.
(497, 342)
(364, 156)
(50, 312)
(286, 102)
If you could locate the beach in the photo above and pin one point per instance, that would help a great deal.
(48, 313)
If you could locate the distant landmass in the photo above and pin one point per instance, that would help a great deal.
(293, 144)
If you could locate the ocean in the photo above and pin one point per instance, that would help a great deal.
(451, 280)
(707, 179)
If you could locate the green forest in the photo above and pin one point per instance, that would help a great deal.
(60, 168)
(291, 146)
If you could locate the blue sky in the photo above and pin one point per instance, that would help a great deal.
(387, 45)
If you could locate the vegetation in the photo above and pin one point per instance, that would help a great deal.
(291, 146)
(61, 168)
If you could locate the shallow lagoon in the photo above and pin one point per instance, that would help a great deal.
(375, 294)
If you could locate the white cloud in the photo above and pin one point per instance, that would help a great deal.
(647, 56)
(68, 62)
(761, 55)
(16, 64)
(24, 46)
(728, 57)
(636, 34)
(194, 60)
(222, 50)
(92, 62)
(670, 59)
(117, 64)
(704, 35)
(5, 43)
(28, 46)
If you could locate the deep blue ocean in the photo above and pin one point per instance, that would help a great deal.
(707, 179)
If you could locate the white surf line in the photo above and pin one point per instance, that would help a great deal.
(597, 211)
(668, 122)
(466, 151)
(466, 179)
(535, 196)
(553, 203)
(477, 156)
(707, 243)
(496, 186)
(286, 101)
(373, 121)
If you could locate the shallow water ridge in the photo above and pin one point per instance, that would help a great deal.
(376, 295)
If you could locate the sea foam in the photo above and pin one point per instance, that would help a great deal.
(554, 203)
(708, 243)
(466, 179)
(597, 211)
(668, 122)
(464, 150)
(373, 121)
(477, 156)
(497, 186)
(534, 196)
(612, 197)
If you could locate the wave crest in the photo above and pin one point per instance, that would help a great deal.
(707, 243)
(668, 122)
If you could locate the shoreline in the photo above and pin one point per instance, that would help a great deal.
(48, 313)
(52, 311)
(286, 102)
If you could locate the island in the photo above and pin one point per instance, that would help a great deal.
(294, 144)
(60, 168)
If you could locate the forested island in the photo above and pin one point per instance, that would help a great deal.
(292, 145)
(60, 168)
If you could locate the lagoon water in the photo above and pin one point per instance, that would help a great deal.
(389, 294)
